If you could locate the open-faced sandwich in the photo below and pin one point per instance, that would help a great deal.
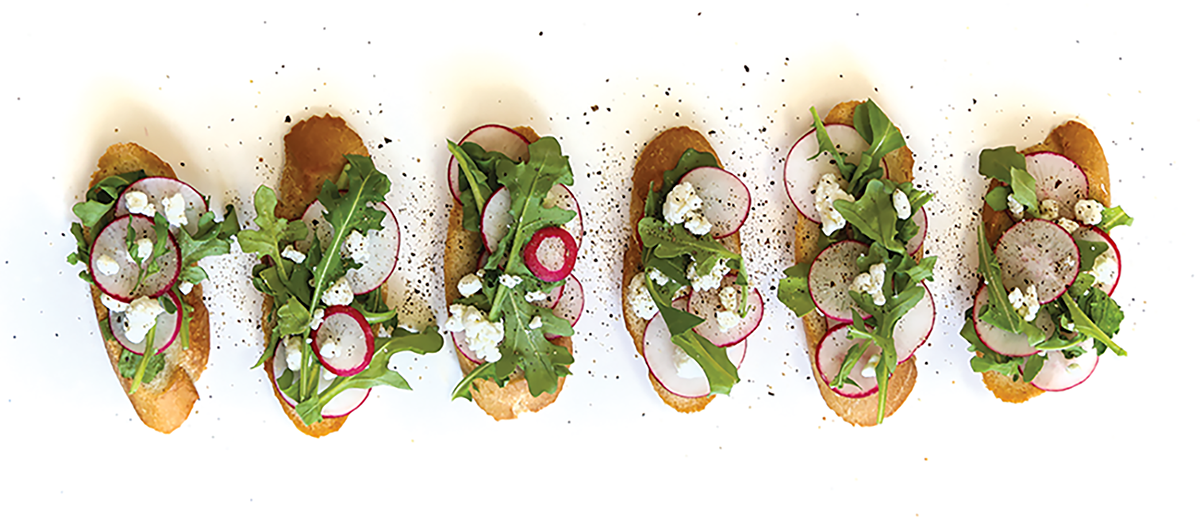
(513, 237)
(140, 234)
(859, 281)
(1044, 315)
(328, 244)
(687, 302)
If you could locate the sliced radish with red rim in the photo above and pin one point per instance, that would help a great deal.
(913, 329)
(490, 137)
(831, 353)
(570, 303)
(737, 353)
(347, 401)
(354, 338)
(1058, 178)
(555, 295)
(1058, 373)
(496, 219)
(922, 221)
(800, 175)
(1113, 253)
(123, 285)
(831, 277)
(726, 198)
(550, 254)
(460, 343)
(1001, 341)
(166, 329)
(706, 304)
(158, 188)
(659, 352)
(562, 197)
(1038, 253)
(382, 245)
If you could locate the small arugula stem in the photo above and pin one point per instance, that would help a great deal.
(881, 376)
(462, 158)
(146, 354)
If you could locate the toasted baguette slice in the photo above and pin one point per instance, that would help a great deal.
(462, 257)
(661, 155)
(166, 401)
(314, 151)
(856, 411)
(1076, 142)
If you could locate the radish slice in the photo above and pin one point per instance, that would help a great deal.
(920, 218)
(1001, 341)
(831, 276)
(737, 353)
(726, 198)
(383, 246)
(483, 257)
(1039, 253)
(1113, 253)
(356, 341)
(496, 219)
(832, 353)
(1058, 178)
(914, 328)
(800, 175)
(460, 343)
(491, 137)
(550, 254)
(166, 329)
(1059, 373)
(555, 296)
(706, 304)
(342, 404)
(660, 354)
(562, 197)
(158, 188)
(122, 285)
(570, 303)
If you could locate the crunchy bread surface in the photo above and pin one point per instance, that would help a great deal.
(166, 401)
(1075, 141)
(314, 151)
(661, 155)
(856, 411)
(462, 256)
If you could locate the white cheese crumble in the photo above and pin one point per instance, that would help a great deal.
(469, 284)
(144, 247)
(708, 282)
(510, 281)
(138, 203)
(338, 294)
(185, 287)
(1104, 270)
(698, 224)
(142, 315)
(291, 349)
(685, 365)
(1015, 207)
(1089, 212)
(535, 322)
(869, 370)
(536, 296)
(828, 190)
(680, 203)
(290, 253)
(113, 304)
(1068, 224)
(871, 283)
(355, 247)
(727, 320)
(901, 204)
(483, 337)
(318, 316)
(658, 277)
(639, 298)
(1025, 304)
(1049, 209)
(107, 265)
(173, 209)
(729, 297)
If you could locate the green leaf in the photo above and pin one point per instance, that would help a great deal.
(529, 348)
(990, 360)
(481, 371)
(475, 185)
(997, 198)
(690, 159)
(793, 290)
(721, 373)
(346, 213)
(878, 130)
(1084, 325)
(102, 196)
(999, 312)
(1088, 252)
(873, 215)
(90, 212)
(825, 145)
(210, 237)
(671, 241)
(294, 317)
(999, 163)
(1033, 365)
(127, 364)
(1113, 217)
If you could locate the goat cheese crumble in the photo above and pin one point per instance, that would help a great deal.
(639, 298)
(871, 283)
(828, 190)
(901, 204)
(1025, 304)
(1089, 212)
(338, 294)
(173, 209)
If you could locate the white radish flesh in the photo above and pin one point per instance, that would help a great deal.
(1113, 253)
(342, 404)
(737, 353)
(1038, 253)
(1058, 373)
(1059, 179)
(354, 338)
(491, 137)
(166, 329)
(562, 197)
(726, 198)
(496, 219)
(706, 304)
(831, 277)
(913, 329)
(382, 245)
(158, 188)
(659, 353)
(832, 353)
(123, 285)
(922, 222)
(1001, 341)
(800, 175)
(555, 295)
(570, 303)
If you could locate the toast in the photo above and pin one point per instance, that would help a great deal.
(463, 249)
(164, 402)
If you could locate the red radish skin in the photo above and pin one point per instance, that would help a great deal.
(562, 197)
(913, 329)
(1056, 376)
(705, 304)
(1001, 341)
(1058, 178)
(1040, 253)
(1091, 233)
(121, 286)
(726, 198)
(541, 244)
(496, 219)
(166, 329)
(490, 137)
(800, 175)
(340, 321)
(922, 221)
(341, 405)
(158, 188)
(383, 245)
(737, 353)
(831, 353)
(555, 296)
(831, 277)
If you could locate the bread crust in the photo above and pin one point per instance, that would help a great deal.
(462, 257)
(856, 411)
(660, 155)
(165, 402)
(1077, 142)
(314, 151)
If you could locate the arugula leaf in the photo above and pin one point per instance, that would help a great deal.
(671, 241)
(825, 145)
(997, 198)
(1088, 252)
(475, 185)
(878, 130)
(346, 213)
(793, 290)
(1084, 325)
(102, 196)
(1033, 365)
(987, 360)
(271, 231)
(999, 312)
(1113, 217)
(721, 373)
(293, 317)
(481, 371)
(211, 238)
(690, 159)
(873, 215)
(127, 365)
(1024, 189)
(1007, 165)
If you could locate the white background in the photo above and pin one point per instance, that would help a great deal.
(208, 88)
